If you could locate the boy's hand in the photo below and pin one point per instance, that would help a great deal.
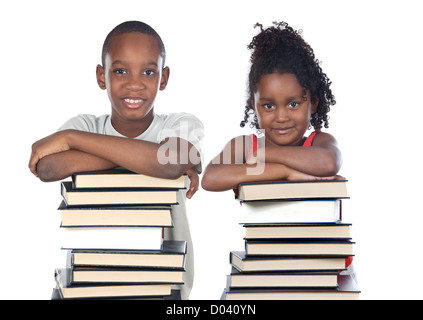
(193, 177)
(51, 144)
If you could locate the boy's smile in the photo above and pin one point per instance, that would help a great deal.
(133, 74)
(281, 108)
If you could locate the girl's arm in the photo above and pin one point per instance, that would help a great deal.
(135, 155)
(226, 171)
(322, 159)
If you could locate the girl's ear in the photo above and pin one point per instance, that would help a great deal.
(101, 79)
(314, 106)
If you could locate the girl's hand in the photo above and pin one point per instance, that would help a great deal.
(193, 177)
(51, 144)
(294, 175)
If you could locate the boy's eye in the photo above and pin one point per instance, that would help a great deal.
(150, 72)
(120, 71)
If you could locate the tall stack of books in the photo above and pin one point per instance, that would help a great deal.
(112, 226)
(296, 244)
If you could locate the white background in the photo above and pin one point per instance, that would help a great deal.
(371, 50)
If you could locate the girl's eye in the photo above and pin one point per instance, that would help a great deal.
(293, 104)
(268, 106)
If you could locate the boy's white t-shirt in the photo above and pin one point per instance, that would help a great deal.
(181, 125)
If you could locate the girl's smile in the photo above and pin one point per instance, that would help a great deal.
(283, 110)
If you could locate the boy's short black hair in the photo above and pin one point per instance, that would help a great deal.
(132, 26)
(282, 49)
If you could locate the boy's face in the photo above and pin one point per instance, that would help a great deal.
(132, 74)
(281, 109)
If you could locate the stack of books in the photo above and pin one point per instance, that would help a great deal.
(296, 244)
(112, 226)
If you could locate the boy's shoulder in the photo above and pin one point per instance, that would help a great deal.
(87, 122)
(176, 117)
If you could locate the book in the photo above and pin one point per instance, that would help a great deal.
(172, 256)
(117, 196)
(174, 295)
(118, 238)
(299, 247)
(346, 290)
(300, 190)
(124, 275)
(305, 211)
(244, 263)
(297, 231)
(123, 178)
(148, 215)
(282, 279)
(67, 289)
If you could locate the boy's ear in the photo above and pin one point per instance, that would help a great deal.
(165, 78)
(101, 79)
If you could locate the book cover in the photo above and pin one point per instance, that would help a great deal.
(124, 216)
(299, 247)
(122, 275)
(259, 263)
(293, 190)
(117, 238)
(117, 196)
(346, 290)
(297, 231)
(70, 290)
(281, 279)
(299, 211)
(123, 178)
(171, 256)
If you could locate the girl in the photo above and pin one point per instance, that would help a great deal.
(288, 93)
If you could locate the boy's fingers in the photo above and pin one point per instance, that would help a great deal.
(33, 160)
(33, 165)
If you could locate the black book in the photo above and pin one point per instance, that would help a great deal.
(293, 190)
(123, 178)
(256, 263)
(172, 256)
(69, 290)
(346, 290)
(340, 247)
(116, 196)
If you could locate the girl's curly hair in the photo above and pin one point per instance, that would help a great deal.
(282, 49)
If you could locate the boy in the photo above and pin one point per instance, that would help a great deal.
(132, 72)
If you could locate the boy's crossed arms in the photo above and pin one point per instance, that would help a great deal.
(60, 154)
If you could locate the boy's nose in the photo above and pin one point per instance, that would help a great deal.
(135, 83)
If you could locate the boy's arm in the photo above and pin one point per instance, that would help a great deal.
(321, 159)
(61, 165)
(135, 155)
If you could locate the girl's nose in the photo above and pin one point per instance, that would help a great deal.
(282, 114)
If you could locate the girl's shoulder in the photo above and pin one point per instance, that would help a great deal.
(321, 138)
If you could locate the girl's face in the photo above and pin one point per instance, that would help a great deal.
(282, 111)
